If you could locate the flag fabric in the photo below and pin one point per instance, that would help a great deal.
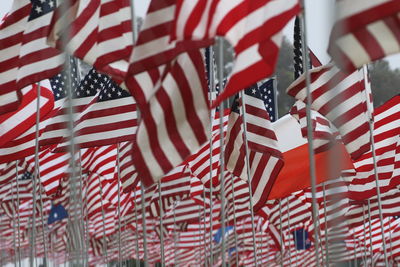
(100, 32)
(23, 144)
(57, 213)
(109, 118)
(325, 133)
(58, 122)
(364, 32)
(342, 99)
(154, 46)
(175, 121)
(252, 28)
(15, 123)
(264, 155)
(386, 135)
(24, 54)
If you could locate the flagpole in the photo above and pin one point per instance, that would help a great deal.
(370, 231)
(281, 231)
(310, 131)
(326, 227)
(212, 85)
(85, 240)
(222, 159)
(390, 240)
(378, 190)
(247, 160)
(205, 229)
(175, 258)
(104, 219)
(234, 222)
(43, 228)
(365, 238)
(289, 228)
(14, 226)
(18, 217)
(142, 192)
(119, 206)
(136, 231)
(36, 176)
(161, 224)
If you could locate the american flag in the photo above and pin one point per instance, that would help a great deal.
(104, 114)
(58, 123)
(24, 144)
(175, 121)
(386, 134)
(100, 32)
(370, 28)
(246, 26)
(154, 47)
(14, 124)
(342, 99)
(265, 158)
(26, 58)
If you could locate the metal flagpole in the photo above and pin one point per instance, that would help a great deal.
(220, 65)
(234, 222)
(18, 217)
(85, 230)
(280, 230)
(370, 231)
(14, 226)
(43, 228)
(136, 231)
(390, 240)
(204, 228)
(365, 238)
(310, 130)
(221, 113)
(142, 192)
(174, 231)
(119, 206)
(104, 220)
(326, 227)
(378, 191)
(161, 224)
(289, 228)
(246, 150)
(36, 176)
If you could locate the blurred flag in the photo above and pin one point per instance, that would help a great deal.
(175, 120)
(264, 155)
(252, 28)
(24, 54)
(364, 31)
(100, 33)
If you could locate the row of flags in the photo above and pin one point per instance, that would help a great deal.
(133, 170)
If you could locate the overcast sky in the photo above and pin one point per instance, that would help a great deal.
(319, 22)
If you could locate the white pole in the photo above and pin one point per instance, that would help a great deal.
(310, 132)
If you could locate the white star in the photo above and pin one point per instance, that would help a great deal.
(38, 9)
(113, 89)
(269, 100)
(102, 84)
(119, 93)
(109, 95)
(253, 91)
(91, 86)
(269, 91)
(87, 92)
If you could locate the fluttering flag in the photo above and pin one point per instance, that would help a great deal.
(254, 29)
(99, 33)
(386, 134)
(364, 31)
(343, 100)
(25, 56)
(265, 157)
(175, 121)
